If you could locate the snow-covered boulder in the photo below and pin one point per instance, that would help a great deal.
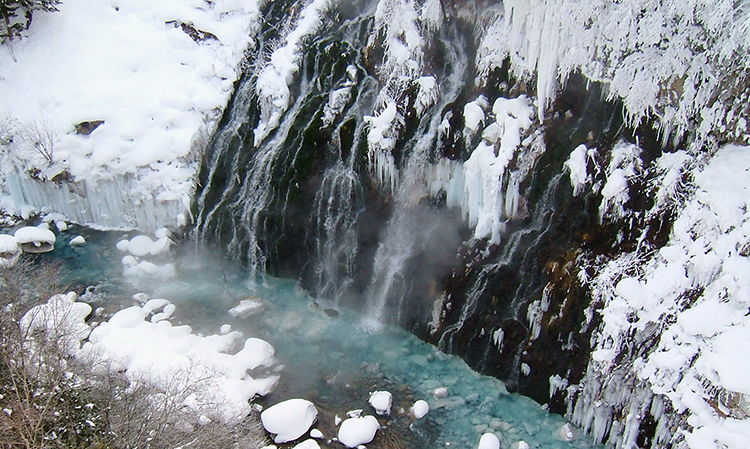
(9, 251)
(420, 409)
(289, 419)
(307, 444)
(60, 319)
(142, 245)
(247, 307)
(381, 401)
(358, 430)
(489, 441)
(35, 239)
(77, 241)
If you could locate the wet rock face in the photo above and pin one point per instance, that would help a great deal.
(515, 310)
(529, 322)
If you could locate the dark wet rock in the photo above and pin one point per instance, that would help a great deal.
(86, 128)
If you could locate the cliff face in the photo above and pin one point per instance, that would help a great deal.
(505, 181)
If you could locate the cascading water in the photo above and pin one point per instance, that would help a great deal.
(396, 174)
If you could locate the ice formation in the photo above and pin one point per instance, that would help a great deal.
(668, 60)
(686, 307)
(275, 78)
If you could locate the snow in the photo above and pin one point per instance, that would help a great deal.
(358, 430)
(196, 369)
(665, 60)
(129, 65)
(289, 419)
(272, 85)
(247, 307)
(78, 241)
(420, 409)
(307, 444)
(381, 401)
(489, 441)
(35, 239)
(577, 166)
(688, 302)
(490, 197)
(10, 251)
(61, 319)
(142, 245)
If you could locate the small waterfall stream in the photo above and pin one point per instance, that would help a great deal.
(387, 227)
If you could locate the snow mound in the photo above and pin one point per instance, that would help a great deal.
(10, 251)
(420, 409)
(60, 319)
(358, 430)
(381, 401)
(289, 419)
(489, 441)
(198, 370)
(35, 239)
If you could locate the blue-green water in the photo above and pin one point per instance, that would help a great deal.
(328, 356)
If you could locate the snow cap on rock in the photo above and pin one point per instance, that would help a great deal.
(359, 430)
(289, 419)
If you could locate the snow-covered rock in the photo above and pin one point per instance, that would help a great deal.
(61, 319)
(247, 307)
(358, 430)
(35, 239)
(78, 240)
(10, 251)
(489, 441)
(420, 409)
(289, 419)
(142, 343)
(381, 401)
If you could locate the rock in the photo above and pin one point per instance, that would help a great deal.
(35, 239)
(289, 419)
(420, 409)
(381, 401)
(247, 307)
(357, 431)
(86, 128)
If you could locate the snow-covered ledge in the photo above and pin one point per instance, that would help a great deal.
(113, 101)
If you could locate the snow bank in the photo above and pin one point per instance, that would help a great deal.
(289, 419)
(198, 370)
(121, 93)
(61, 320)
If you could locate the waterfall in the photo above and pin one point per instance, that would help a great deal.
(411, 171)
